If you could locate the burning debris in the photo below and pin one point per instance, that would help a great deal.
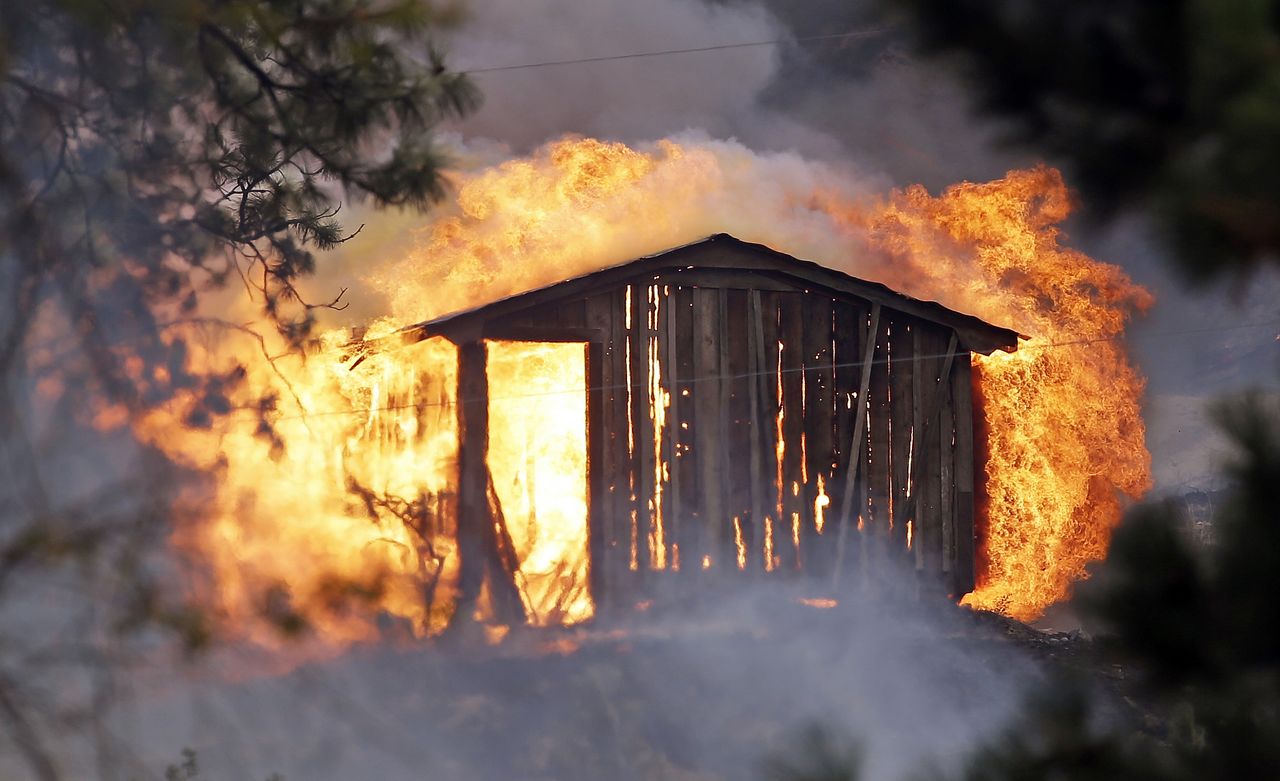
(360, 489)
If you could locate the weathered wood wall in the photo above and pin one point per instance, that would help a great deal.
(740, 423)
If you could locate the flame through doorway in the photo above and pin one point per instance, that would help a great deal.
(537, 455)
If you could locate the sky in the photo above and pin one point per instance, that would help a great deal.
(846, 88)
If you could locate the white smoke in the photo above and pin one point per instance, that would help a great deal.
(704, 694)
(646, 97)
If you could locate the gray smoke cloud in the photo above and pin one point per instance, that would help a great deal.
(630, 99)
(707, 691)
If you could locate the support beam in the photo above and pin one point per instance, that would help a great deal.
(473, 478)
(962, 389)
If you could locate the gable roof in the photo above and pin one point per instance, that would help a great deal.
(722, 251)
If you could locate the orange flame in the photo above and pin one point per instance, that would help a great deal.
(1063, 415)
(357, 484)
(538, 456)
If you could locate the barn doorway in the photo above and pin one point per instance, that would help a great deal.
(537, 455)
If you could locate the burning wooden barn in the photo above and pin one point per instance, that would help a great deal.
(718, 409)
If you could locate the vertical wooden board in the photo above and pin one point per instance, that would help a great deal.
(664, 454)
(819, 427)
(710, 537)
(686, 511)
(854, 557)
(848, 323)
(660, 439)
(773, 538)
(797, 516)
(901, 422)
(737, 384)
(641, 422)
(877, 474)
(911, 511)
(963, 571)
(929, 503)
(757, 398)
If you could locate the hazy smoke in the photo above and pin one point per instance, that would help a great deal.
(626, 99)
(706, 694)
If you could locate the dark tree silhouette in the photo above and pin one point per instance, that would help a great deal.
(152, 152)
(1171, 107)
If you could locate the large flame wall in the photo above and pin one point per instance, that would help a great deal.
(362, 461)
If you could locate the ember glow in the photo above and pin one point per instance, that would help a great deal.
(346, 512)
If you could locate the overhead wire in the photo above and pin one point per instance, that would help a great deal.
(869, 32)
(1028, 345)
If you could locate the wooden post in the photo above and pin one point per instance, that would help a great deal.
(599, 525)
(473, 496)
(946, 475)
(909, 512)
(963, 573)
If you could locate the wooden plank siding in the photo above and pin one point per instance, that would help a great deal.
(774, 394)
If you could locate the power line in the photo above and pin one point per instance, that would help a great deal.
(668, 52)
(643, 387)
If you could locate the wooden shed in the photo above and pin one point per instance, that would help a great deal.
(747, 414)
